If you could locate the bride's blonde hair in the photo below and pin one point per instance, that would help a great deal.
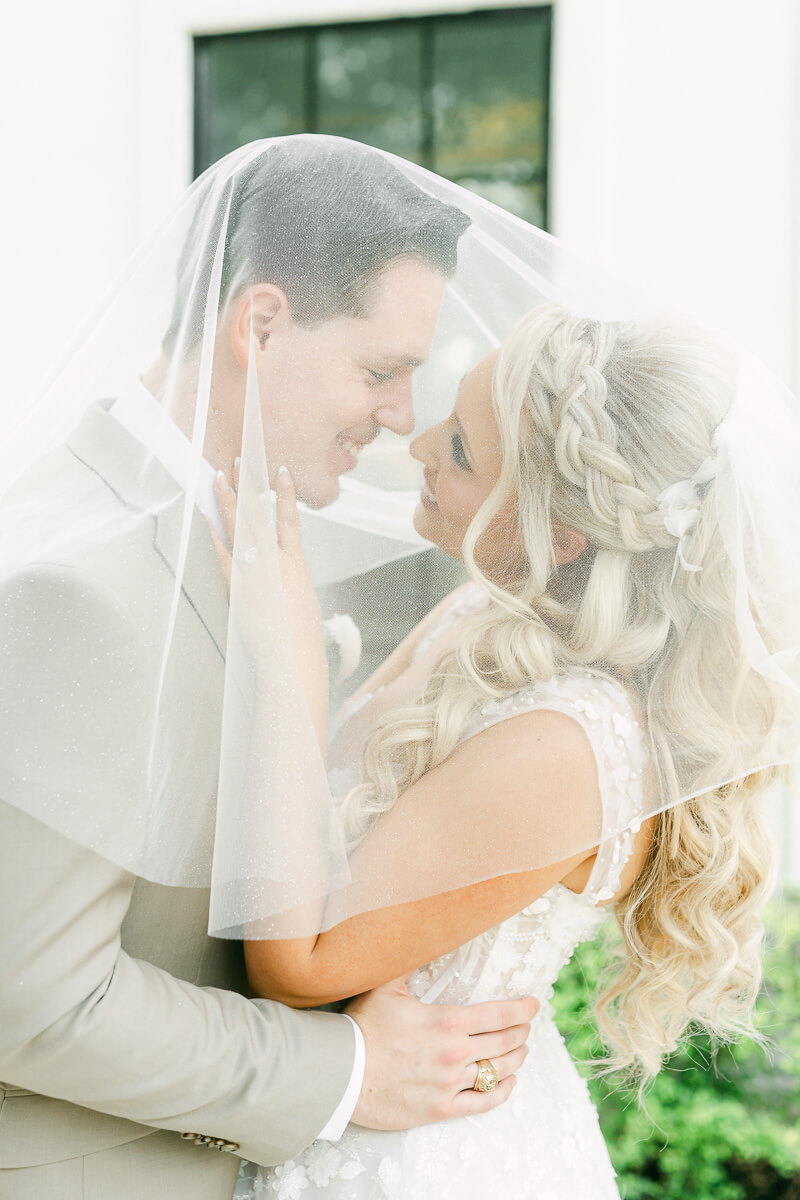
(596, 419)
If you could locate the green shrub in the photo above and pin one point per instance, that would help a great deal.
(724, 1127)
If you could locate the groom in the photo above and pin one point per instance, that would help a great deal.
(135, 1064)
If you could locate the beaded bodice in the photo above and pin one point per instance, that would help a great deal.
(544, 1143)
(523, 955)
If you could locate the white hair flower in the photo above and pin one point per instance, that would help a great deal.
(680, 505)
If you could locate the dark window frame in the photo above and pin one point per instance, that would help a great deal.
(428, 23)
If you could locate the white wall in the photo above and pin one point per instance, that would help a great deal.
(673, 153)
(67, 203)
(674, 136)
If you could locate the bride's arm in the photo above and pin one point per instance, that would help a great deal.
(529, 773)
(501, 787)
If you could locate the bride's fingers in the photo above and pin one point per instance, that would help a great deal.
(226, 502)
(507, 1064)
(287, 516)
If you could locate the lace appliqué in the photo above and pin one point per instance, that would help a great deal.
(618, 742)
(545, 1141)
(322, 1164)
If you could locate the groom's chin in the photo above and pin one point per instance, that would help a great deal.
(320, 493)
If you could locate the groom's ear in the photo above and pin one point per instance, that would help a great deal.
(261, 309)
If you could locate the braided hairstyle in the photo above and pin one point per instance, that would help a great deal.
(596, 419)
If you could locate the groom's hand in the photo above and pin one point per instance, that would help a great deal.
(421, 1058)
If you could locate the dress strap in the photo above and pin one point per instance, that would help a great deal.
(619, 743)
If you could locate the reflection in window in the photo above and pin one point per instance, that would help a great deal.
(465, 95)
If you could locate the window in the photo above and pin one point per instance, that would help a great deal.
(465, 95)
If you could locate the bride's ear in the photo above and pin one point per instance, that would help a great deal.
(568, 544)
(263, 307)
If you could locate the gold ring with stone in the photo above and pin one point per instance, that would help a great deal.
(488, 1076)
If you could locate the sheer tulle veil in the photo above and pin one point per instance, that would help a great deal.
(320, 219)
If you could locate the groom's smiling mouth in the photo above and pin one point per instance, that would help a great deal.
(351, 448)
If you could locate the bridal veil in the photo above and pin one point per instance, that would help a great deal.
(319, 218)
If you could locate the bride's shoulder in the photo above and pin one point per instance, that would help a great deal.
(591, 697)
(578, 720)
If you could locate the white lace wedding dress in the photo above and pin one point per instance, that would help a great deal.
(545, 1142)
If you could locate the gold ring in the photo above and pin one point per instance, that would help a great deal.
(488, 1076)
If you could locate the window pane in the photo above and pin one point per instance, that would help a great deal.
(466, 95)
(247, 86)
(516, 195)
(369, 86)
(490, 106)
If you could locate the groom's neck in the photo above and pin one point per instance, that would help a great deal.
(178, 392)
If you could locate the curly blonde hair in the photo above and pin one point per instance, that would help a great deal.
(596, 419)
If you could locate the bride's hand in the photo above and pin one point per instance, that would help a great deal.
(256, 578)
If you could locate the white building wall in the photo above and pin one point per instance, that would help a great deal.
(675, 132)
(673, 155)
(67, 207)
(674, 136)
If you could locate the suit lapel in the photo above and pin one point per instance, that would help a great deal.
(140, 482)
(203, 583)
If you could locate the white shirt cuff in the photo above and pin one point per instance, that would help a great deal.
(346, 1107)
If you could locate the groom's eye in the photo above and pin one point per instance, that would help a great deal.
(378, 378)
(459, 457)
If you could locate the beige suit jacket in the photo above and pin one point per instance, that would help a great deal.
(119, 1016)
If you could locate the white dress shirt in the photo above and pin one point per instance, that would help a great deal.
(138, 411)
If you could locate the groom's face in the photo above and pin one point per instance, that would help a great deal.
(327, 391)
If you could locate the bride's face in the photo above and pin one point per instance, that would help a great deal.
(462, 459)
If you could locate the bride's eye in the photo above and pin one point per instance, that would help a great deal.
(378, 378)
(459, 457)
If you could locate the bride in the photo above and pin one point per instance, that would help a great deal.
(590, 675)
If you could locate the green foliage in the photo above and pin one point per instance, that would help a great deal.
(717, 1127)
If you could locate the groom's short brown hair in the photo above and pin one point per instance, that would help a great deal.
(317, 217)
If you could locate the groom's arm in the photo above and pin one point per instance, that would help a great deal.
(82, 1021)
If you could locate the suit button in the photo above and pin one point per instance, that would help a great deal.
(229, 1147)
(189, 1137)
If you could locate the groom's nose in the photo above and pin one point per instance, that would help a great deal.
(397, 413)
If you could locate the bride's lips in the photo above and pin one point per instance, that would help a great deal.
(427, 497)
